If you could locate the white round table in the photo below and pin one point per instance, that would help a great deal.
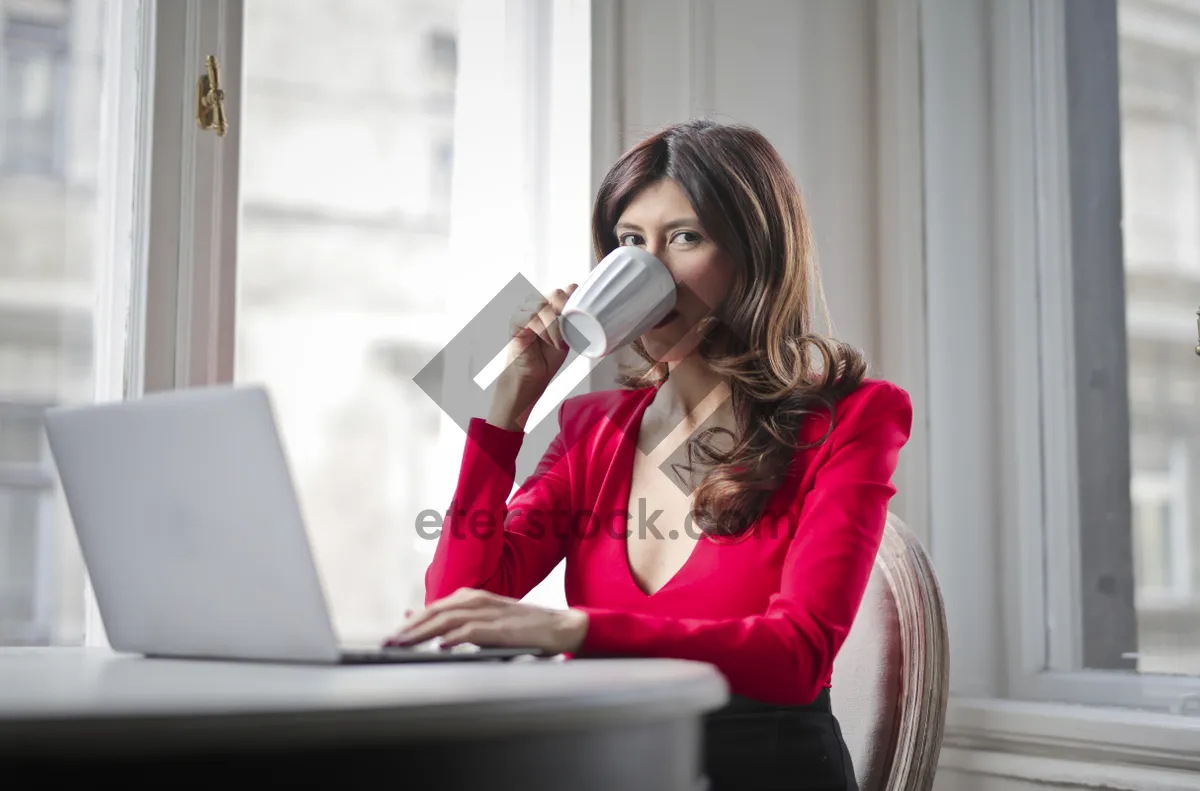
(580, 724)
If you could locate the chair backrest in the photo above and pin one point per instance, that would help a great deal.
(891, 677)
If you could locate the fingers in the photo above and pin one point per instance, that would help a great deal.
(446, 623)
(555, 304)
(520, 321)
(487, 619)
(462, 600)
(539, 318)
(548, 317)
(543, 324)
(524, 332)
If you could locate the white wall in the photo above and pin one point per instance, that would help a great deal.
(802, 73)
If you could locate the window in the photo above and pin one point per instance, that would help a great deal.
(375, 221)
(35, 61)
(1152, 626)
(56, 270)
(1118, 541)
(26, 524)
(1057, 267)
(1160, 181)
(340, 239)
(368, 213)
(1161, 528)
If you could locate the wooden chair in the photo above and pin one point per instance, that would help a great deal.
(891, 677)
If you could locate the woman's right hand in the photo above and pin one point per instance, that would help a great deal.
(535, 353)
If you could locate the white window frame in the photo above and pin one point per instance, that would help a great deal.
(1034, 217)
(1002, 461)
(166, 294)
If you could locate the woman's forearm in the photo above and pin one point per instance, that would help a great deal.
(507, 412)
(487, 543)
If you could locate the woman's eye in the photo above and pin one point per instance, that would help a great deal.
(630, 239)
(687, 237)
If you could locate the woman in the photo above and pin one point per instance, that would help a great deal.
(753, 454)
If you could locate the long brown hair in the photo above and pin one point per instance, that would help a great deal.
(762, 339)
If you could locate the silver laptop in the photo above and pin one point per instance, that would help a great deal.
(192, 534)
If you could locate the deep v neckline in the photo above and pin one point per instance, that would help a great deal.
(628, 453)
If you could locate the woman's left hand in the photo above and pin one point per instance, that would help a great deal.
(470, 615)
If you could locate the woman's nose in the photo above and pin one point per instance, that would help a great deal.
(663, 254)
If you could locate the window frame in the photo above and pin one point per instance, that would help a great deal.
(1004, 501)
(996, 212)
(1042, 388)
(165, 316)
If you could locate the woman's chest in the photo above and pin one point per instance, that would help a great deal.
(643, 549)
(661, 534)
(653, 557)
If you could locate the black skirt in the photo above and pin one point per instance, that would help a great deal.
(751, 746)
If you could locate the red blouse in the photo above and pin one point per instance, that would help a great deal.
(770, 609)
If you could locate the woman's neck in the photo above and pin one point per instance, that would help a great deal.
(693, 390)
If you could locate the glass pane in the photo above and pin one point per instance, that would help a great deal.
(36, 56)
(51, 60)
(22, 438)
(347, 150)
(1160, 132)
(19, 515)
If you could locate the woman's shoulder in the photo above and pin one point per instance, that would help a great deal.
(870, 403)
(876, 394)
(874, 402)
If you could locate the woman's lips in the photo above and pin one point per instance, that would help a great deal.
(667, 319)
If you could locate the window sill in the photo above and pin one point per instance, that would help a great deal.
(1084, 735)
(987, 770)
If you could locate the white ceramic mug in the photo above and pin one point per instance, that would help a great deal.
(624, 296)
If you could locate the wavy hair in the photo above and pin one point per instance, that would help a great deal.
(761, 337)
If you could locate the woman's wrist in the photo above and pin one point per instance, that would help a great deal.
(507, 411)
(503, 420)
(573, 627)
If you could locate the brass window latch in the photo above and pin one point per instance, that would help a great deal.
(210, 100)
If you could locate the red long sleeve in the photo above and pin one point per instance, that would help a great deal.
(488, 543)
(786, 653)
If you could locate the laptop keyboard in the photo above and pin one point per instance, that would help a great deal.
(429, 653)
(386, 655)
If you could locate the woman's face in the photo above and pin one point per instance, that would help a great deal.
(660, 220)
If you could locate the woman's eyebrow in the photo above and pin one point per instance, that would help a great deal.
(672, 225)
